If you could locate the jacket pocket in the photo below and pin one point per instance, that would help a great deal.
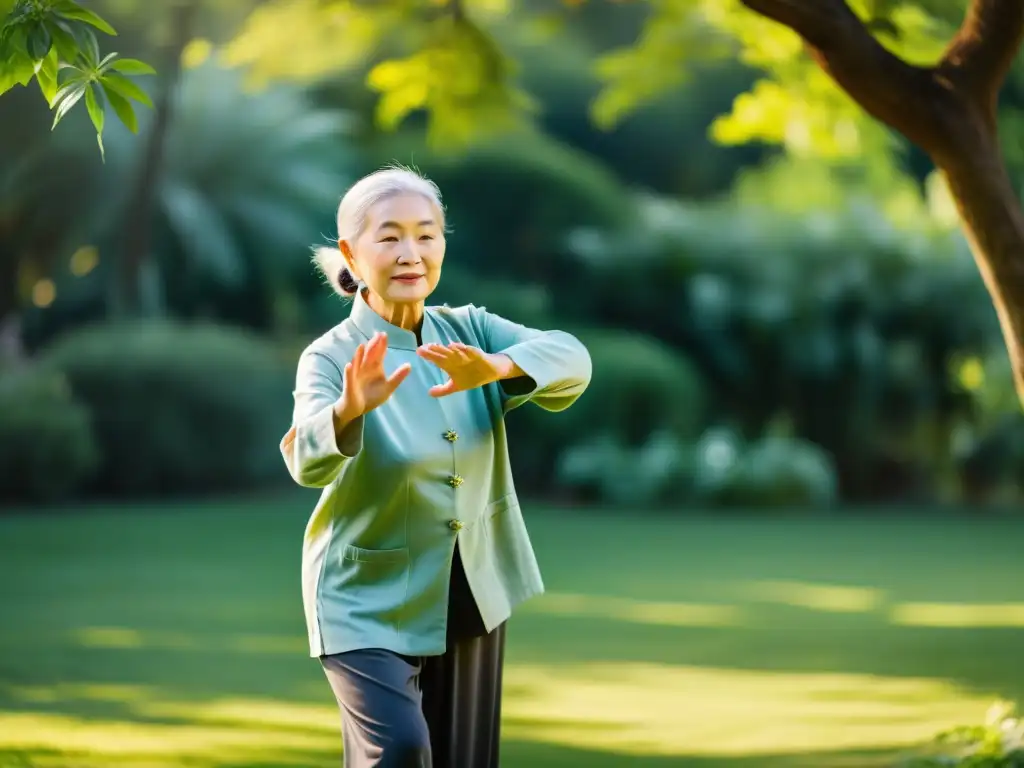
(374, 583)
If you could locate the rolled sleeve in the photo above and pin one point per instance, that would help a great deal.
(557, 365)
(312, 451)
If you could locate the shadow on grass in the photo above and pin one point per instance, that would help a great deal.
(146, 640)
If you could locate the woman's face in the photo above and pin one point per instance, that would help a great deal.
(399, 253)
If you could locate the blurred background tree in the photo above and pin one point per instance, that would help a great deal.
(676, 179)
(798, 365)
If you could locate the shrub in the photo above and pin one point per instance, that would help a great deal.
(998, 743)
(774, 471)
(640, 388)
(47, 447)
(604, 469)
(837, 318)
(179, 409)
(718, 470)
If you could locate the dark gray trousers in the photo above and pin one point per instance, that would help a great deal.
(421, 712)
(427, 711)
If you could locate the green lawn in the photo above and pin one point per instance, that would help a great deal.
(174, 637)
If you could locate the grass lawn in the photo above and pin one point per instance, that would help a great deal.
(174, 637)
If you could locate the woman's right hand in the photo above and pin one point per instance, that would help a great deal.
(366, 385)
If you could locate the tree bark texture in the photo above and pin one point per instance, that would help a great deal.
(948, 110)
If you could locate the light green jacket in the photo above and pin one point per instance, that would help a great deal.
(414, 475)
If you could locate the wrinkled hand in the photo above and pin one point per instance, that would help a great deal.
(467, 367)
(366, 383)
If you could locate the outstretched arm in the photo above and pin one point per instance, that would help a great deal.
(556, 365)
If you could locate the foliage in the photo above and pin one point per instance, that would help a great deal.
(438, 59)
(42, 190)
(835, 319)
(178, 409)
(998, 743)
(644, 400)
(989, 447)
(54, 42)
(720, 469)
(546, 190)
(640, 386)
(443, 60)
(774, 472)
(471, 84)
(251, 181)
(604, 469)
(460, 78)
(48, 451)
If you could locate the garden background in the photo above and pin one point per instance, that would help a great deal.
(781, 529)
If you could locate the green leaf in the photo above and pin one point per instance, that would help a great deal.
(126, 88)
(71, 10)
(18, 70)
(90, 48)
(97, 115)
(122, 108)
(105, 63)
(132, 67)
(18, 11)
(46, 76)
(66, 100)
(95, 109)
(39, 41)
(63, 39)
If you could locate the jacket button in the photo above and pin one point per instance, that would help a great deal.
(451, 436)
(455, 525)
(455, 481)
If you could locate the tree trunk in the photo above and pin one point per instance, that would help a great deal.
(949, 110)
(10, 320)
(994, 225)
(138, 221)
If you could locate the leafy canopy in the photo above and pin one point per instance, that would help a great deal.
(441, 57)
(54, 42)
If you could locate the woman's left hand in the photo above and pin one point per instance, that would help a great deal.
(468, 367)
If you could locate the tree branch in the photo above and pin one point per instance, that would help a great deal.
(949, 110)
(983, 50)
(910, 99)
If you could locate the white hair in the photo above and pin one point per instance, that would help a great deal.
(352, 214)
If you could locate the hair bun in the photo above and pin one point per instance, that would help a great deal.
(331, 265)
(347, 282)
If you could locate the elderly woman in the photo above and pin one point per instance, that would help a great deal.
(416, 553)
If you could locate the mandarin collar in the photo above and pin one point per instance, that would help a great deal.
(369, 322)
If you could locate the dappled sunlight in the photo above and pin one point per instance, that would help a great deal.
(668, 614)
(627, 708)
(123, 637)
(249, 712)
(817, 597)
(959, 615)
(126, 638)
(655, 709)
(229, 731)
(108, 637)
(66, 693)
